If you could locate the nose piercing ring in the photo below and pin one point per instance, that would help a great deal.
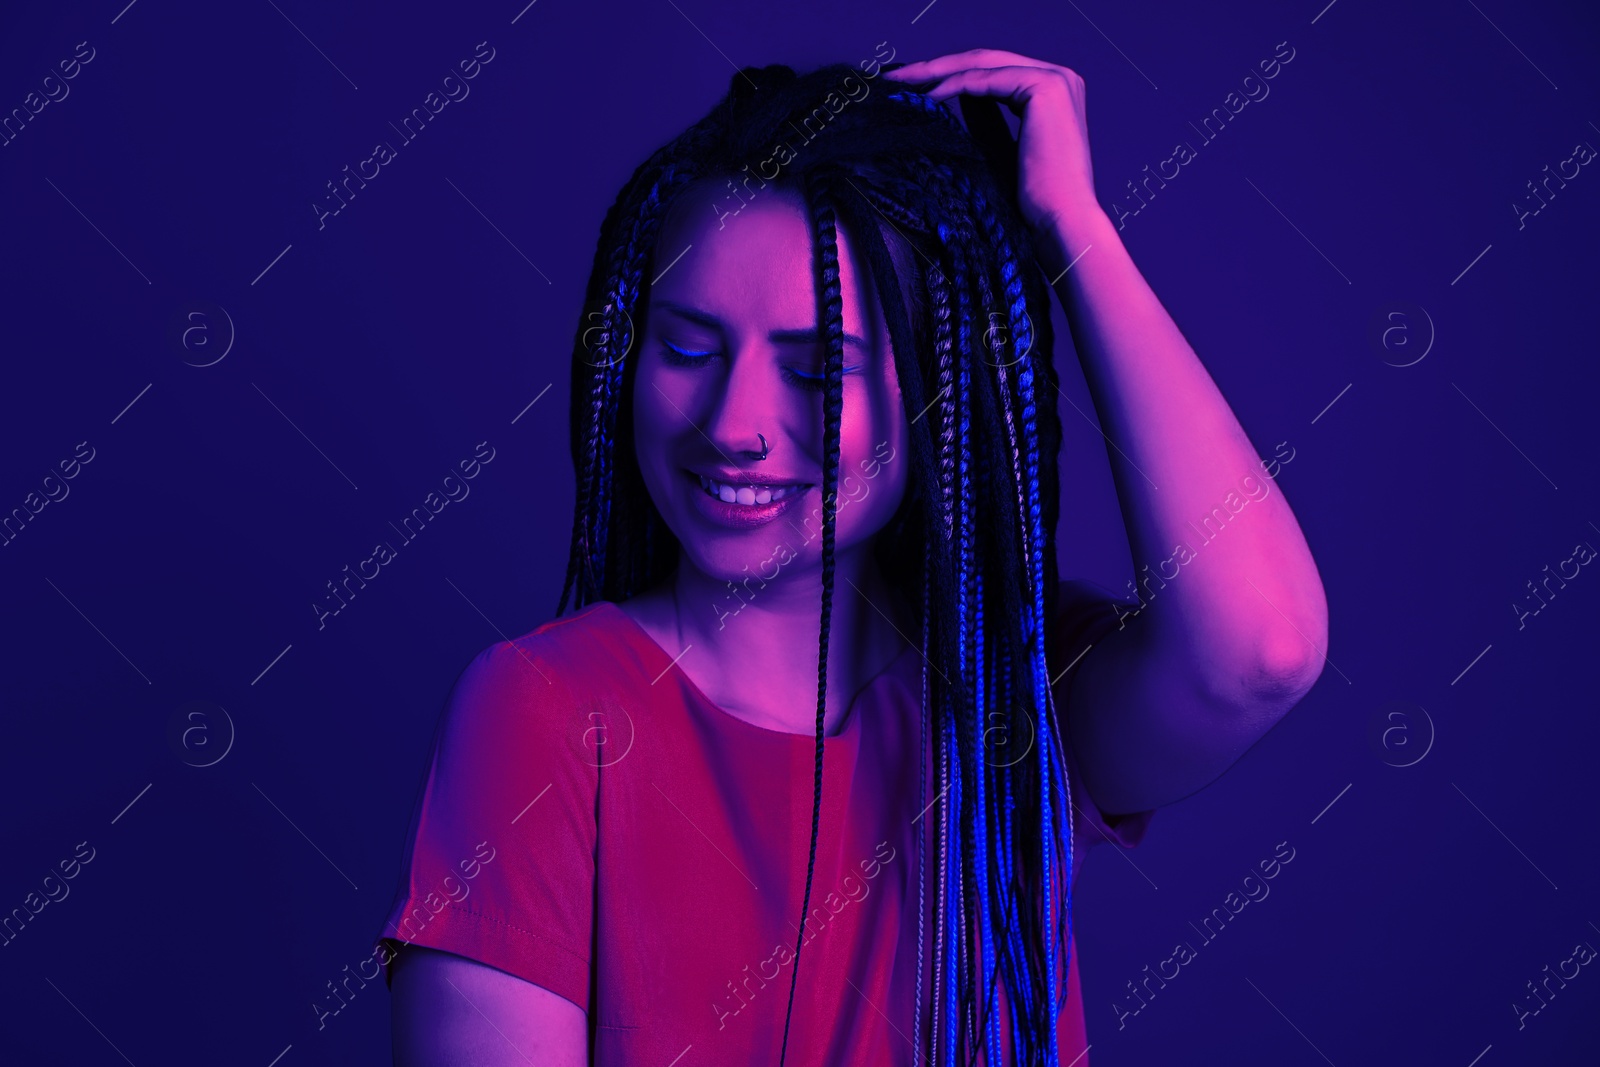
(765, 448)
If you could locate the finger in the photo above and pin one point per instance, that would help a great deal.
(928, 69)
(1015, 85)
(972, 57)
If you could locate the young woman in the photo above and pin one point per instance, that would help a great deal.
(807, 774)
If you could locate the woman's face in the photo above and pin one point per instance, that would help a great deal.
(730, 338)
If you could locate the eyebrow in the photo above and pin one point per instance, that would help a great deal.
(806, 335)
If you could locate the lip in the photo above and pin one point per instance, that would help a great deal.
(742, 477)
(740, 516)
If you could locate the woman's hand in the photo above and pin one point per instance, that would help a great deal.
(1055, 182)
(1229, 647)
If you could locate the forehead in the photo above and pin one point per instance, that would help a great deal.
(754, 270)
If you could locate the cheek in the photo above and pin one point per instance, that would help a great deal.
(872, 484)
(654, 423)
(655, 417)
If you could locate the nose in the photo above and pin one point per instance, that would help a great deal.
(744, 411)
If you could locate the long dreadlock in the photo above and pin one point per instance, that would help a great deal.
(932, 204)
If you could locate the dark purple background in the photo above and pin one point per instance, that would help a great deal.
(378, 351)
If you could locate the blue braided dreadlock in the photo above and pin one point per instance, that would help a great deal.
(932, 204)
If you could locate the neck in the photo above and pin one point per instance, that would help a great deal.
(753, 647)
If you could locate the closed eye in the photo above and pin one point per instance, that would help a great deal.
(678, 357)
(674, 356)
(816, 382)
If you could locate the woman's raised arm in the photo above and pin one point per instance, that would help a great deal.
(1238, 631)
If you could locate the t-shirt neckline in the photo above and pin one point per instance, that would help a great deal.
(721, 714)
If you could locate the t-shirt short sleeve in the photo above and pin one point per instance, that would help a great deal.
(500, 864)
(1085, 615)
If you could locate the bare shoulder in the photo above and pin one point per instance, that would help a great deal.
(447, 1008)
(535, 657)
(652, 611)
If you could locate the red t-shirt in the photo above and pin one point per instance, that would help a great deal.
(591, 822)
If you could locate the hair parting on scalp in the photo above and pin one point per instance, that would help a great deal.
(968, 316)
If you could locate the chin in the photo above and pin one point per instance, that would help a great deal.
(756, 561)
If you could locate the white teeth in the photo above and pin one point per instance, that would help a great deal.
(745, 494)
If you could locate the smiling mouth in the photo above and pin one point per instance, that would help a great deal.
(749, 494)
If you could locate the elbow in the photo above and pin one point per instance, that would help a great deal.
(1286, 664)
(1269, 675)
(1282, 681)
(1251, 700)
(1289, 651)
